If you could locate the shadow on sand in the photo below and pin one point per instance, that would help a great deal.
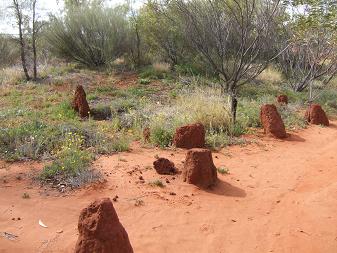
(226, 189)
(294, 137)
(332, 125)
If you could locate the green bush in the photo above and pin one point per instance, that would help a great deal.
(90, 34)
(161, 136)
(217, 139)
(292, 116)
(120, 143)
(30, 140)
(63, 111)
(150, 72)
(70, 160)
(9, 51)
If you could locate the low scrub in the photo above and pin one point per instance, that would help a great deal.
(71, 164)
(91, 35)
(206, 106)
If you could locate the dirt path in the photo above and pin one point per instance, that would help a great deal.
(280, 196)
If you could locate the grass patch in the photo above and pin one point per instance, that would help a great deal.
(157, 183)
(71, 165)
(25, 195)
(156, 71)
(223, 170)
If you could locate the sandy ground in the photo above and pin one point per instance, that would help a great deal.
(280, 196)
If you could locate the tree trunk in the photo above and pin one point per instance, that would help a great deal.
(34, 42)
(138, 46)
(233, 107)
(21, 39)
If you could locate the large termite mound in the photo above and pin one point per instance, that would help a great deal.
(164, 166)
(272, 122)
(199, 168)
(100, 230)
(80, 103)
(282, 99)
(316, 115)
(190, 136)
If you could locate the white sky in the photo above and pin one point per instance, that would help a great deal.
(44, 7)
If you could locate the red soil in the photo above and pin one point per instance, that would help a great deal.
(272, 122)
(190, 136)
(280, 197)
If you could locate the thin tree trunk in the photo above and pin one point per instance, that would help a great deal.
(34, 42)
(233, 107)
(21, 39)
(138, 45)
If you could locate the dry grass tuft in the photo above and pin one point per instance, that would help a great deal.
(162, 67)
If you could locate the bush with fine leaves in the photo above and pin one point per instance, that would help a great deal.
(90, 34)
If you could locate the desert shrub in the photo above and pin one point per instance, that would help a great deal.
(141, 90)
(292, 116)
(155, 71)
(207, 106)
(217, 139)
(90, 34)
(100, 112)
(35, 139)
(204, 105)
(223, 170)
(270, 75)
(187, 69)
(255, 92)
(161, 136)
(144, 81)
(157, 183)
(121, 105)
(11, 75)
(71, 160)
(28, 141)
(248, 114)
(62, 111)
(9, 52)
(120, 142)
(162, 67)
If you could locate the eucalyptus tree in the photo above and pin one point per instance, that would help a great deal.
(312, 55)
(233, 36)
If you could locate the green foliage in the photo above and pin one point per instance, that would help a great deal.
(163, 37)
(29, 140)
(70, 160)
(151, 73)
(121, 143)
(9, 52)
(292, 117)
(25, 195)
(161, 136)
(144, 81)
(63, 111)
(223, 170)
(157, 183)
(318, 13)
(90, 34)
(217, 139)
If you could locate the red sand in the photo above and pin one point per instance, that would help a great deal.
(280, 196)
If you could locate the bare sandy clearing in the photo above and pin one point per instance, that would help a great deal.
(280, 196)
